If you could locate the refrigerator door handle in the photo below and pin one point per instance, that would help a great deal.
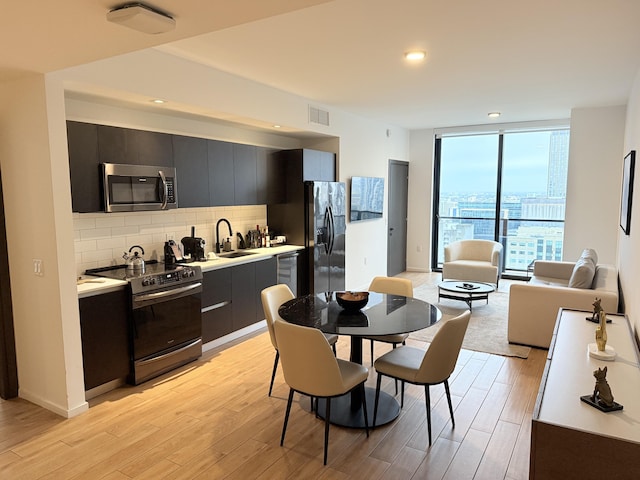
(331, 230)
(326, 229)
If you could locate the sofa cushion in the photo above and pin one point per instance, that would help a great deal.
(584, 270)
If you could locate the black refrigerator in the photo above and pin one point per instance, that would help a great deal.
(315, 216)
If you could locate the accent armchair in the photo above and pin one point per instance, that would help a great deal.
(473, 260)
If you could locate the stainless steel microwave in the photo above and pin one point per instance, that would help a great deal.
(134, 188)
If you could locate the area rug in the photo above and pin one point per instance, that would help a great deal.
(487, 331)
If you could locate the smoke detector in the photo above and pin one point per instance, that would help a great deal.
(142, 18)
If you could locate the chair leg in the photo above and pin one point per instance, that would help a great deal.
(395, 380)
(364, 408)
(286, 416)
(371, 353)
(402, 394)
(334, 350)
(375, 405)
(427, 401)
(446, 389)
(326, 429)
(273, 374)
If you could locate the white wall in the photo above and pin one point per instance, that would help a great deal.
(629, 246)
(35, 176)
(420, 200)
(593, 186)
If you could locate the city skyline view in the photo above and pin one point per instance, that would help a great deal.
(530, 223)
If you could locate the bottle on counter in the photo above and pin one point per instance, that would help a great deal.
(267, 235)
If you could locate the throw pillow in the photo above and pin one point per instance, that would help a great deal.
(584, 270)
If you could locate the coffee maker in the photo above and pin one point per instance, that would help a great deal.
(194, 246)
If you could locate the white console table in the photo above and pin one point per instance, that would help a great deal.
(569, 438)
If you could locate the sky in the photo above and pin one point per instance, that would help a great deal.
(470, 163)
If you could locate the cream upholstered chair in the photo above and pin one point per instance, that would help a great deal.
(473, 260)
(310, 368)
(392, 286)
(272, 297)
(432, 367)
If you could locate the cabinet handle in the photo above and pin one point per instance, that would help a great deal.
(216, 306)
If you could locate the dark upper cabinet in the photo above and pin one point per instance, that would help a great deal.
(84, 167)
(288, 169)
(221, 176)
(262, 162)
(192, 171)
(117, 145)
(317, 165)
(209, 172)
(154, 148)
(245, 174)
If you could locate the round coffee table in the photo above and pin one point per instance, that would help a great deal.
(465, 291)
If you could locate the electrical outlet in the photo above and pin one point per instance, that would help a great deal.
(419, 248)
(365, 260)
(38, 267)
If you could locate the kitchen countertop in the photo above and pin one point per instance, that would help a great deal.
(89, 285)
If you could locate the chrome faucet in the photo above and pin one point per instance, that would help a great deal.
(218, 232)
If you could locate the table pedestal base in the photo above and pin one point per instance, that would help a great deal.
(343, 415)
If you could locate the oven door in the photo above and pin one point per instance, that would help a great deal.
(166, 320)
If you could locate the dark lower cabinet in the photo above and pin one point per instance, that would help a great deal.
(105, 338)
(217, 314)
(243, 287)
(266, 276)
(231, 297)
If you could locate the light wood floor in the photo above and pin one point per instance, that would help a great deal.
(213, 419)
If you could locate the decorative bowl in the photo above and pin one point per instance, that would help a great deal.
(352, 301)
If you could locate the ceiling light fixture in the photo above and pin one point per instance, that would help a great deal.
(159, 101)
(415, 55)
(142, 18)
(277, 126)
(493, 114)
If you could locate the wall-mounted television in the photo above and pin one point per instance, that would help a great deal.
(367, 198)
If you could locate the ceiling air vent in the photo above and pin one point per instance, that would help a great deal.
(318, 116)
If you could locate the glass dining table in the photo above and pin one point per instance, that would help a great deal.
(384, 314)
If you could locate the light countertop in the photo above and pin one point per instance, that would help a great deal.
(89, 285)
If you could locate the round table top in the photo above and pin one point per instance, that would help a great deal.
(383, 315)
(460, 286)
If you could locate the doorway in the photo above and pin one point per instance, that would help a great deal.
(8, 362)
(397, 218)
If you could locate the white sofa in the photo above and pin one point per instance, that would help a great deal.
(533, 306)
(472, 260)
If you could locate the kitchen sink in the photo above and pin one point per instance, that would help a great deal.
(234, 254)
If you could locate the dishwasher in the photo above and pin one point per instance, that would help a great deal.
(288, 270)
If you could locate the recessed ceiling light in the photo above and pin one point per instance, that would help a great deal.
(158, 101)
(415, 55)
(494, 114)
(276, 126)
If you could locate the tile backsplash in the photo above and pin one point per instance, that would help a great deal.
(100, 239)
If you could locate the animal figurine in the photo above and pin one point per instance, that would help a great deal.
(597, 308)
(602, 392)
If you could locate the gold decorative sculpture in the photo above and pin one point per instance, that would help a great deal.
(601, 332)
(601, 398)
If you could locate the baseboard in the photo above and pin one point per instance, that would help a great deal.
(53, 407)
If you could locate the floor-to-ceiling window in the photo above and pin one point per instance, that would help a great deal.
(508, 186)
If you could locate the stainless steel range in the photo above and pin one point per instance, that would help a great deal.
(165, 322)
